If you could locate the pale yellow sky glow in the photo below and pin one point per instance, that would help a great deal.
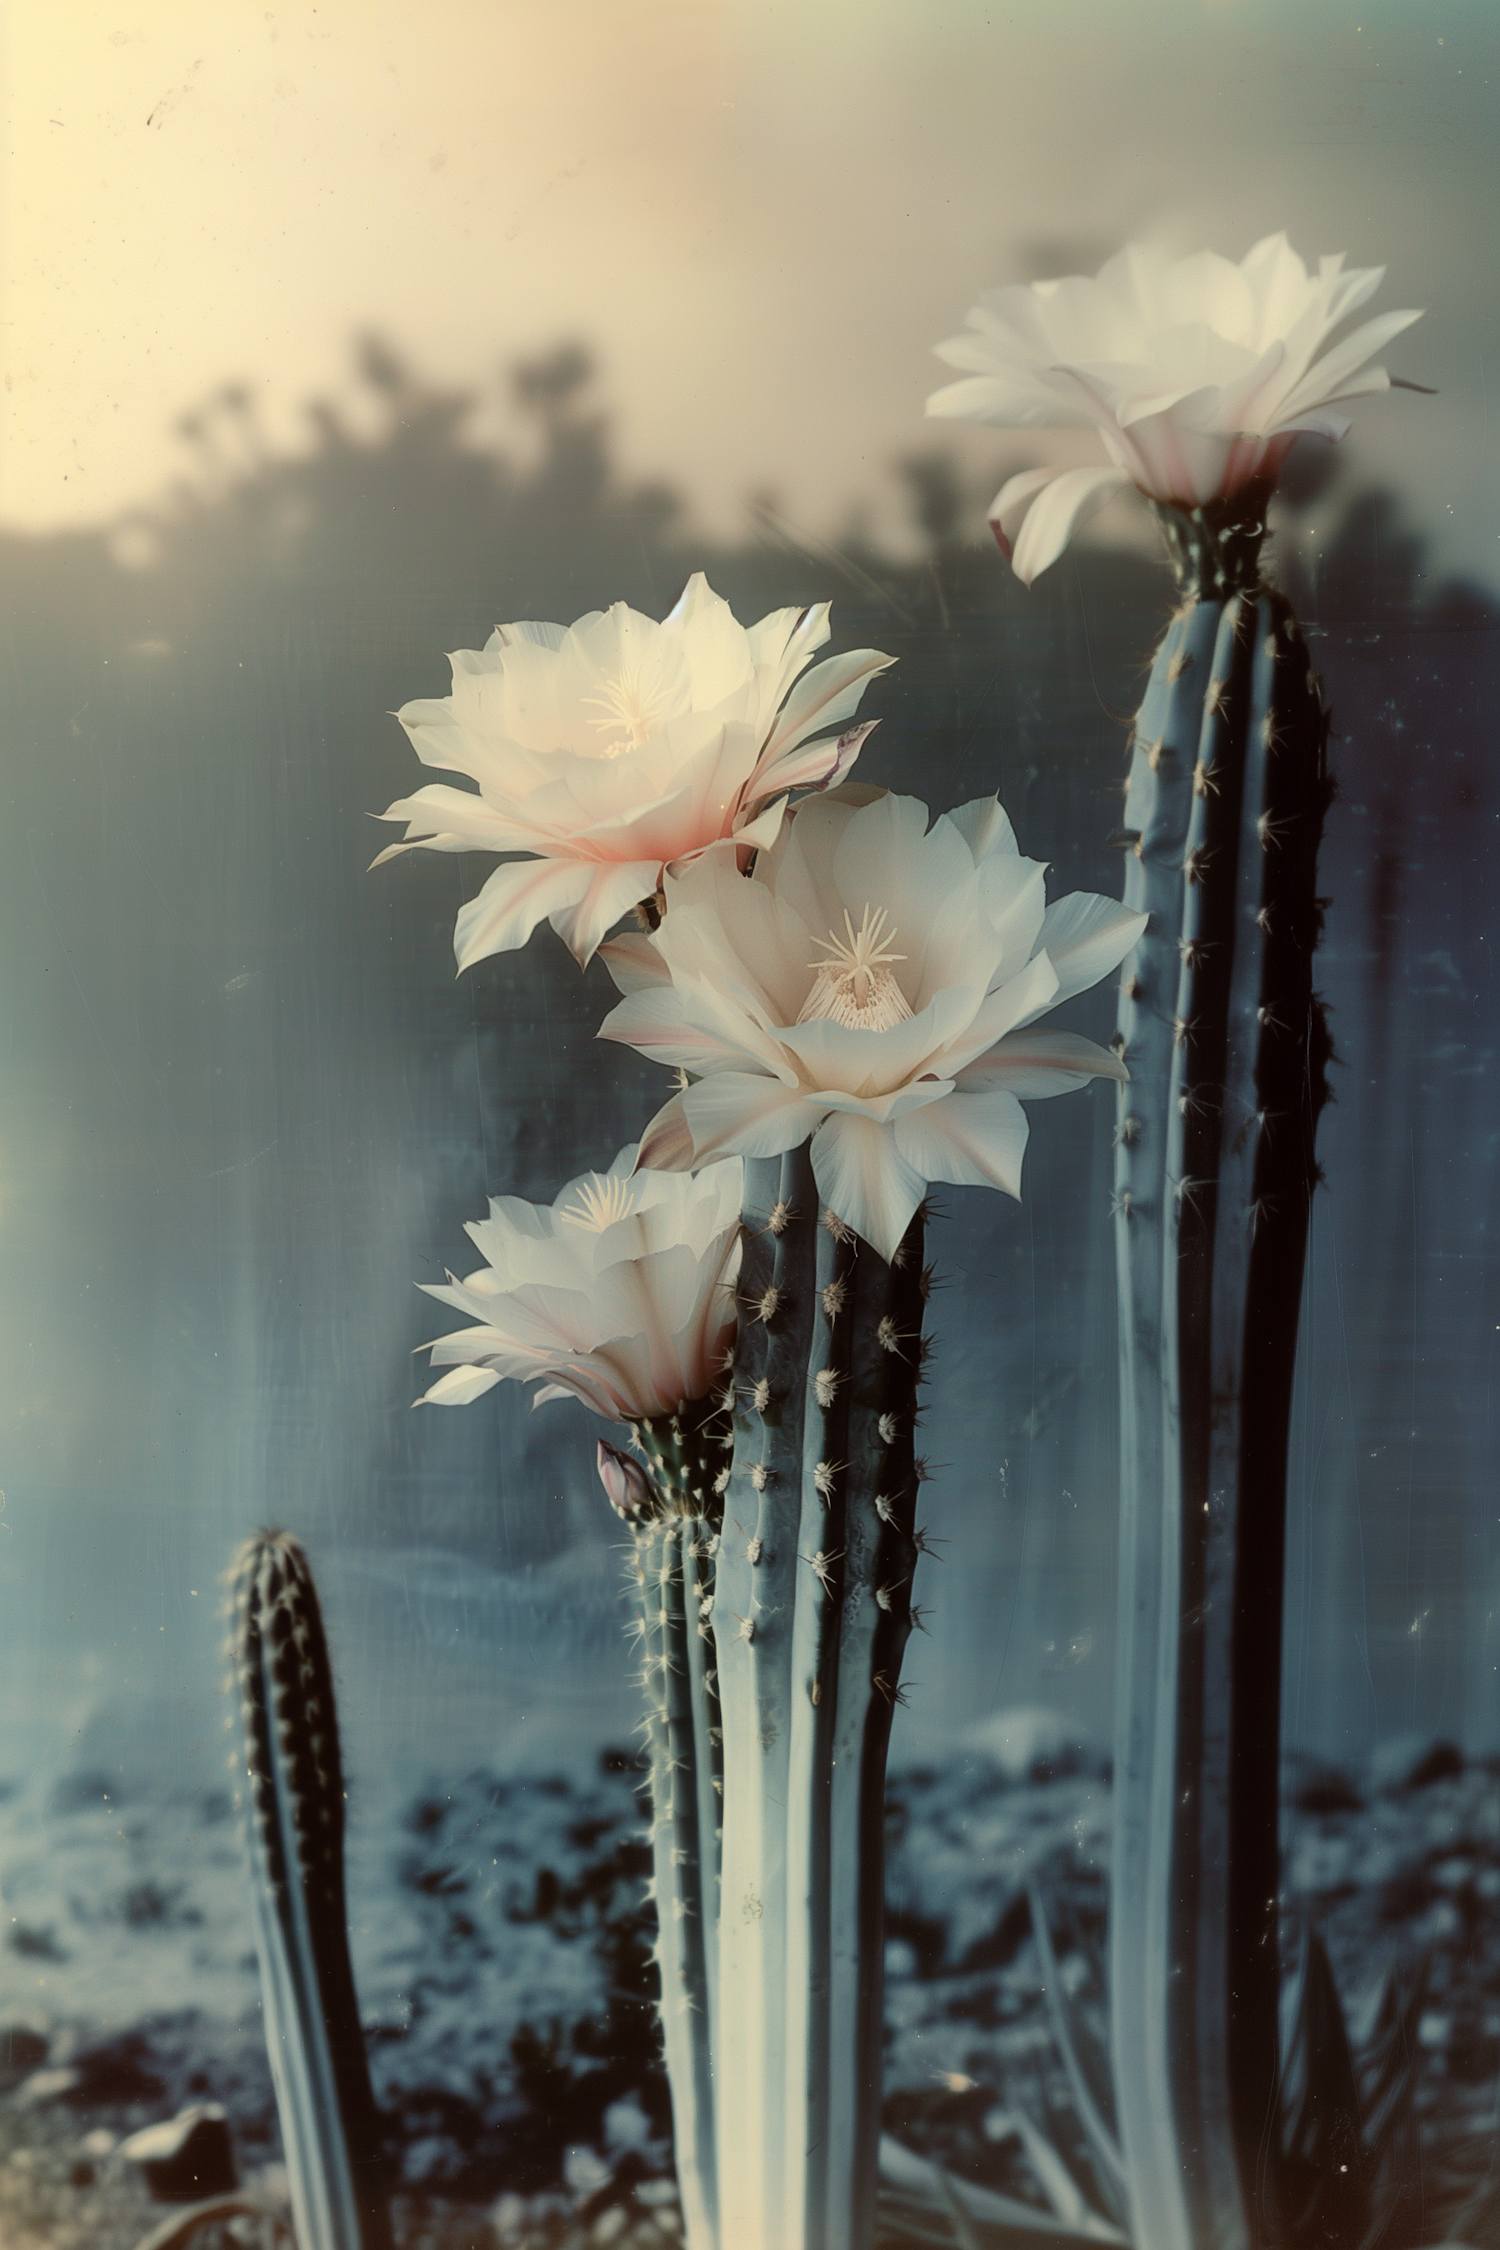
(760, 216)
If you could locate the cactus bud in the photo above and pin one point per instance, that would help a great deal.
(627, 1487)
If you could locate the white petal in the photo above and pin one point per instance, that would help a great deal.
(459, 1386)
(534, 631)
(1055, 515)
(985, 827)
(634, 963)
(611, 892)
(667, 1143)
(865, 1180)
(1084, 936)
(515, 898)
(823, 764)
(1005, 402)
(1012, 504)
(655, 1022)
(735, 1114)
(823, 698)
(1328, 377)
(972, 1140)
(756, 835)
(1034, 1065)
(455, 820)
(1018, 1001)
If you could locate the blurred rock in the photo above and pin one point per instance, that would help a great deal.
(22, 2050)
(48, 2086)
(1027, 1743)
(186, 2157)
(1412, 1761)
(1314, 1785)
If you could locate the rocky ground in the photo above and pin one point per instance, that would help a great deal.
(501, 1948)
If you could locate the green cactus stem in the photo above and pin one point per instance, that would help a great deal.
(330, 2127)
(674, 1515)
(812, 1610)
(1214, 1173)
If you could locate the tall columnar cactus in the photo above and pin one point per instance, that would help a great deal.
(295, 1824)
(812, 1610)
(1225, 1044)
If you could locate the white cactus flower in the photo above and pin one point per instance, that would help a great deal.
(616, 747)
(873, 985)
(620, 1294)
(1197, 373)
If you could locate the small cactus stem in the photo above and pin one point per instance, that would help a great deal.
(825, 1504)
(1210, 1269)
(673, 1579)
(330, 2128)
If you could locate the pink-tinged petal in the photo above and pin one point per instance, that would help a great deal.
(548, 1392)
(515, 898)
(1034, 1065)
(1056, 514)
(970, 1140)
(735, 1114)
(655, 1022)
(459, 1386)
(822, 698)
(634, 963)
(1084, 936)
(611, 893)
(455, 820)
(667, 1143)
(865, 1180)
(824, 764)
(1012, 504)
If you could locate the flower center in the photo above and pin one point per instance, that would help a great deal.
(602, 1198)
(855, 984)
(631, 710)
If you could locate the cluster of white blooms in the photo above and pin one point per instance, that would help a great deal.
(837, 970)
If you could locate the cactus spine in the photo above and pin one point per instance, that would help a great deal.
(295, 1823)
(1214, 1174)
(811, 1614)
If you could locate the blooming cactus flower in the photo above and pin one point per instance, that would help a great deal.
(616, 747)
(621, 1293)
(874, 984)
(1197, 373)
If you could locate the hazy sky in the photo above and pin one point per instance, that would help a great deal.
(761, 213)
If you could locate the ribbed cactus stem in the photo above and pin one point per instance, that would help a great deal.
(811, 1615)
(672, 1567)
(1215, 1168)
(330, 2128)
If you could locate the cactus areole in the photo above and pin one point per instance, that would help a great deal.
(1226, 1047)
